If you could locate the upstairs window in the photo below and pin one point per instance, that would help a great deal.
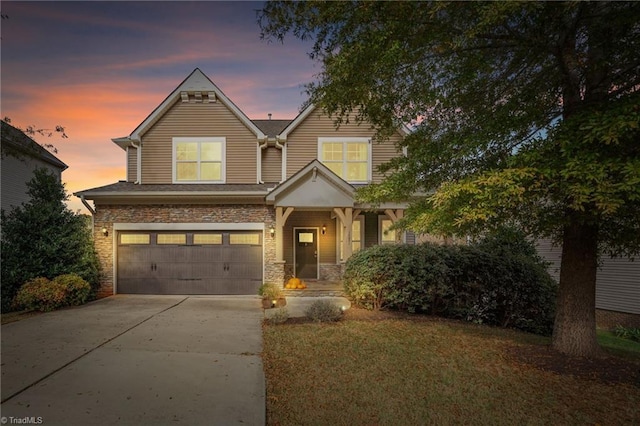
(349, 158)
(200, 160)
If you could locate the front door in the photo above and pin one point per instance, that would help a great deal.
(306, 253)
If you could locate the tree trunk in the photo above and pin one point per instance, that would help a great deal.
(574, 331)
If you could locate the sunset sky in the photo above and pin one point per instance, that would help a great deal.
(99, 68)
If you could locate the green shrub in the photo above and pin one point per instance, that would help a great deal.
(629, 333)
(43, 238)
(270, 291)
(44, 295)
(41, 294)
(498, 281)
(324, 311)
(77, 290)
(280, 316)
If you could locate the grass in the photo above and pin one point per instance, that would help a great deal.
(617, 345)
(409, 372)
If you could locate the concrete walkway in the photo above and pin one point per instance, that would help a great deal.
(134, 360)
(297, 306)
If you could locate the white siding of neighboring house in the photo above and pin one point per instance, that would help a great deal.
(16, 172)
(617, 282)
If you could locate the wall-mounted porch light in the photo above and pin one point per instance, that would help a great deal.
(324, 229)
(105, 232)
(272, 231)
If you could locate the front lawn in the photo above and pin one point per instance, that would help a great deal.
(406, 370)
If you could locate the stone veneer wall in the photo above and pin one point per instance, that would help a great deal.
(330, 272)
(107, 215)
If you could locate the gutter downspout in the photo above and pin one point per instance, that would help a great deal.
(138, 147)
(87, 205)
(282, 147)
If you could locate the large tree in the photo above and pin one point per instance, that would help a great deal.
(524, 112)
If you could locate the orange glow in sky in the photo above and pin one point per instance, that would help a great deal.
(99, 68)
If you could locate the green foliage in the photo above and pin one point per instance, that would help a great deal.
(77, 290)
(279, 316)
(629, 333)
(270, 291)
(43, 238)
(44, 295)
(499, 281)
(324, 311)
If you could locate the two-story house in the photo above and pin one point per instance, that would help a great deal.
(21, 155)
(216, 203)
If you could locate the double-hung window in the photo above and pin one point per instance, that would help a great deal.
(349, 158)
(386, 235)
(199, 160)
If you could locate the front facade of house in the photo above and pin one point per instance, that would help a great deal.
(216, 203)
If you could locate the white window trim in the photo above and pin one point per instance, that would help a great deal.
(380, 219)
(217, 139)
(322, 140)
(359, 218)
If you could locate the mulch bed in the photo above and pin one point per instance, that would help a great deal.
(607, 369)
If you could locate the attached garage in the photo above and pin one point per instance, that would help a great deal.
(189, 262)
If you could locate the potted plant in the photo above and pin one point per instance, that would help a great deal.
(271, 295)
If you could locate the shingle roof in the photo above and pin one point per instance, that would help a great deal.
(271, 128)
(19, 141)
(122, 187)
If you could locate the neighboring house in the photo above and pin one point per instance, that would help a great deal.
(21, 155)
(216, 203)
(617, 286)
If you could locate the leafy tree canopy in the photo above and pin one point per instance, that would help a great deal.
(521, 110)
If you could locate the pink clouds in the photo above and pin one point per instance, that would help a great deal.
(99, 68)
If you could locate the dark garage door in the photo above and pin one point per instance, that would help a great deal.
(206, 262)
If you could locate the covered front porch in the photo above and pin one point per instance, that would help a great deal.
(318, 225)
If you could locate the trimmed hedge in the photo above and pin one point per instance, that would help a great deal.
(498, 281)
(45, 295)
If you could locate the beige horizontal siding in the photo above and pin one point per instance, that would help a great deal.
(617, 280)
(302, 143)
(271, 164)
(312, 219)
(132, 164)
(193, 120)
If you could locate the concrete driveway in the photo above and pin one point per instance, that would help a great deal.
(137, 360)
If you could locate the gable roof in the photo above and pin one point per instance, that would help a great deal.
(271, 128)
(315, 185)
(197, 81)
(16, 140)
(282, 136)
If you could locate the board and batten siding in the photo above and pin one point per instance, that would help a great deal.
(271, 165)
(186, 119)
(617, 280)
(302, 142)
(312, 219)
(132, 164)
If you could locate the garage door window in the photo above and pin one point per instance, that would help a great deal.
(134, 239)
(253, 239)
(202, 239)
(172, 239)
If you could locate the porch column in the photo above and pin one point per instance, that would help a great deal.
(346, 218)
(281, 219)
(396, 215)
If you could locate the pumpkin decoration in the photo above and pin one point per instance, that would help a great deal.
(295, 284)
